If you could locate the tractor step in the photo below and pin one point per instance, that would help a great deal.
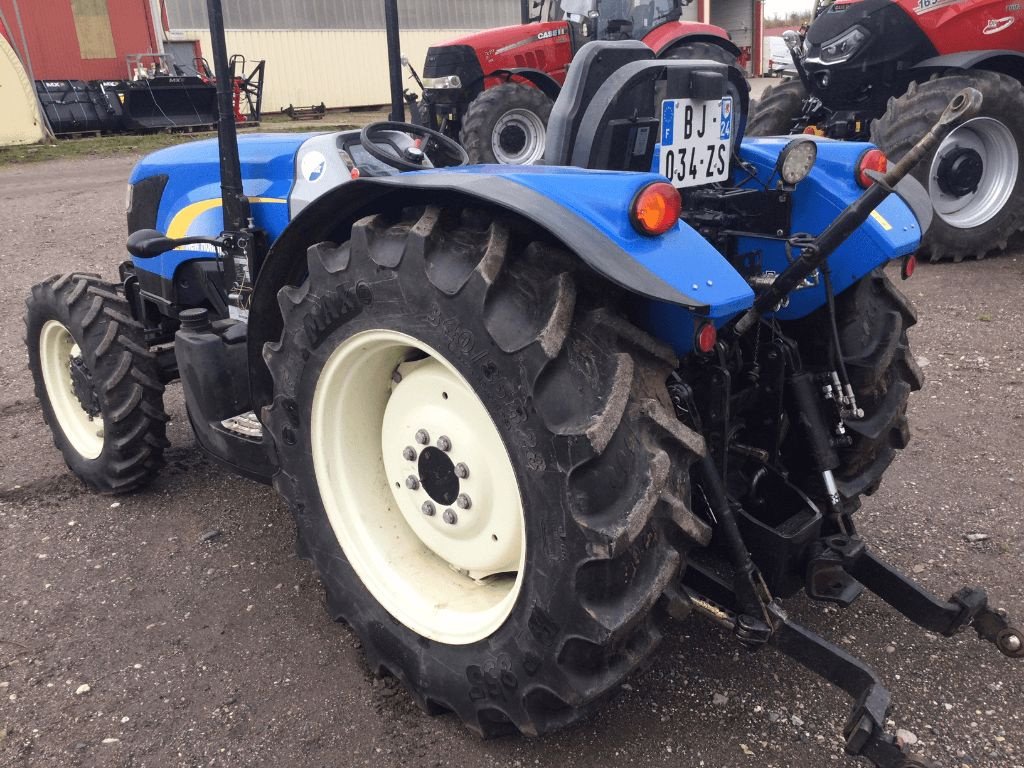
(245, 424)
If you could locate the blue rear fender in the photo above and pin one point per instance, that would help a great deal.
(891, 232)
(587, 210)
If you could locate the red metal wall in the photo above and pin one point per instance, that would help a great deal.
(53, 42)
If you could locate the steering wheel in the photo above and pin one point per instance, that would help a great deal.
(442, 151)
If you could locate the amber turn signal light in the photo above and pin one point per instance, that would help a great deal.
(656, 208)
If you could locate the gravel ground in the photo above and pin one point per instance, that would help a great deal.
(129, 639)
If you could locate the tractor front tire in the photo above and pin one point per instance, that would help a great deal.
(975, 177)
(482, 465)
(97, 382)
(506, 124)
(778, 109)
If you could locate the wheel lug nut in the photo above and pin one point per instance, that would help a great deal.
(409, 453)
(461, 470)
(464, 501)
(444, 443)
(450, 517)
(422, 436)
(412, 482)
(428, 508)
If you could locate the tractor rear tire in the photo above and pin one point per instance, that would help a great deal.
(506, 124)
(441, 336)
(778, 109)
(966, 223)
(872, 317)
(97, 382)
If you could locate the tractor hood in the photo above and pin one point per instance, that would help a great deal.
(543, 46)
(855, 49)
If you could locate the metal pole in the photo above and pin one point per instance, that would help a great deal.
(236, 205)
(524, 11)
(394, 60)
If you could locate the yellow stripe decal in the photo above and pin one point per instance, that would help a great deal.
(881, 220)
(184, 218)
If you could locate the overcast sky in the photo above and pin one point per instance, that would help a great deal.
(785, 7)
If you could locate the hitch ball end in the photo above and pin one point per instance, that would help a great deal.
(961, 107)
(1010, 642)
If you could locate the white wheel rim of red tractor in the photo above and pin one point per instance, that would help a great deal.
(390, 417)
(1000, 158)
(57, 350)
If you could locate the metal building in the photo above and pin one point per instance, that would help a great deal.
(333, 51)
(329, 51)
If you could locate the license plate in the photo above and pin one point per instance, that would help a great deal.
(695, 140)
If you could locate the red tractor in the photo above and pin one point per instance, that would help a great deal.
(883, 69)
(493, 90)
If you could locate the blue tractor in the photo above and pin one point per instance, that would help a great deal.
(525, 417)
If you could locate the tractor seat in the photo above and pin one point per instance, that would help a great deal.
(608, 113)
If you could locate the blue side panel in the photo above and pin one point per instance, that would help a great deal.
(680, 257)
(191, 199)
(890, 233)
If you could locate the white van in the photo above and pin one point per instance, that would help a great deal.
(778, 60)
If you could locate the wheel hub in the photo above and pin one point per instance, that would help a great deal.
(973, 173)
(512, 139)
(432, 411)
(960, 171)
(81, 385)
(437, 475)
(518, 138)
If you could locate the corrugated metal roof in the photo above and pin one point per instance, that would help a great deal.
(345, 14)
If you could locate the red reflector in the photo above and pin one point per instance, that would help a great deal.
(872, 160)
(707, 336)
(909, 265)
(655, 209)
(354, 173)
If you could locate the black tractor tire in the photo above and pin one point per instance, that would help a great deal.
(117, 375)
(872, 317)
(577, 396)
(908, 117)
(778, 109)
(522, 141)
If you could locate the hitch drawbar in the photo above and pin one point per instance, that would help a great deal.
(843, 568)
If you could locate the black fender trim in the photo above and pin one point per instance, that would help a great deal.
(331, 217)
(721, 42)
(547, 84)
(968, 59)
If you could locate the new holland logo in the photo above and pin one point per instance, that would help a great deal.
(997, 25)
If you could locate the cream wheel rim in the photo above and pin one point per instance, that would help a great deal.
(418, 487)
(57, 351)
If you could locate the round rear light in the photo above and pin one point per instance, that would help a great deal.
(656, 208)
(872, 160)
(706, 338)
(908, 267)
